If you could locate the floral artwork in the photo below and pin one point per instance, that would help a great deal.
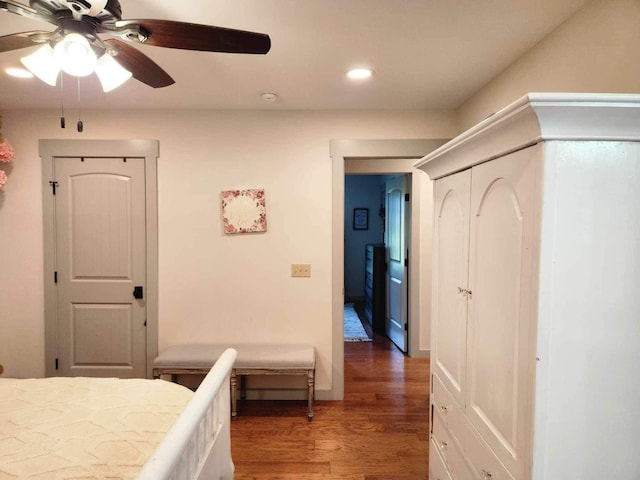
(244, 211)
(6, 152)
(6, 155)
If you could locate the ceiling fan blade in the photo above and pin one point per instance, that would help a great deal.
(27, 11)
(191, 36)
(17, 41)
(142, 67)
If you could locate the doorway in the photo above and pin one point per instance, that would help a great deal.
(363, 256)
(109, 241)
(375, 253)
(383, 157)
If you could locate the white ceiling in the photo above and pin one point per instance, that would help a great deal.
(425, 54)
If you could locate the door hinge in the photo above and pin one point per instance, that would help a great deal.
(145, 322)
(54, 185)
(406, 327)
(56, 364)
(55, 277)
(406, 197)
(406, 262)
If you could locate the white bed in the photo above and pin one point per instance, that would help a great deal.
(105, 428)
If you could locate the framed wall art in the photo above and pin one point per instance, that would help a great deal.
(244, 211)
(361, 219)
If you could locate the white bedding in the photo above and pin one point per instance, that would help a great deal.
(83, 428)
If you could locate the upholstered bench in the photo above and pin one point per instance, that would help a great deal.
(252, 359)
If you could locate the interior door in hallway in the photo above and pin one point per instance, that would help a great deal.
(100, 248)
(396, 202)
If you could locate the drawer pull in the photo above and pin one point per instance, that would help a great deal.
(486, 475)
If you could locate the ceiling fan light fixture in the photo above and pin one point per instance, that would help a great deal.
(111, 73)
(75, 55)
(359, 73)
(43, 65)
(19, 72)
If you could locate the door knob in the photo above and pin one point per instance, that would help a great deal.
(138, 292)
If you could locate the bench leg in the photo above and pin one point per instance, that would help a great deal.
(234, 393)
(158, 373)
(311, 381)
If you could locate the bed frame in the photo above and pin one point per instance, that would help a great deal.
(198, 446)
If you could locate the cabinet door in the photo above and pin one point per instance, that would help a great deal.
(500, 280)
(450, 277)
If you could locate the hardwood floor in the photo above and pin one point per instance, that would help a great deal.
(379, 431)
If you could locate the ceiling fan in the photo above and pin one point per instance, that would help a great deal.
(90, 36)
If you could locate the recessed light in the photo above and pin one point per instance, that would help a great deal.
(359, 73)
(19, 72)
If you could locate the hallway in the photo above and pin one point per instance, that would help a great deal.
(379, 431)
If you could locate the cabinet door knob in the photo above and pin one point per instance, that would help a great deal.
(486, 475)
(443, 409)
(464, 291)
(444, 445)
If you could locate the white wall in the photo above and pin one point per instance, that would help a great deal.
(212, 287)
(596, 50)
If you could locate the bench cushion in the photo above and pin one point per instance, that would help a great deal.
(272, 356)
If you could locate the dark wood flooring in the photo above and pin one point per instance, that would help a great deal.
(379, 431)
(359, 308)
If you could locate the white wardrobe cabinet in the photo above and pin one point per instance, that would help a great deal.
(482, 266)
(535, 319)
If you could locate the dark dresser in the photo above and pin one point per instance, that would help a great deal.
(374, 288)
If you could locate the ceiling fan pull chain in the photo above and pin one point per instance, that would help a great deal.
(63, 124)
(80, 125)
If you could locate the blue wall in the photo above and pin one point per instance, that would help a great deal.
(360, 191)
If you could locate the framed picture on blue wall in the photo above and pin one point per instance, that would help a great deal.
(361, 219)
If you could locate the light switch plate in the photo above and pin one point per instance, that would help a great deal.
(300, 270)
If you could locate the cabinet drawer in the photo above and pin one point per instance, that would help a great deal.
(483, 461)
(450, 452)
(437, 468)
(443, 401)
(446, 407)
(459, 431)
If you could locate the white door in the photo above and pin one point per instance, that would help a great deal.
(450, 282)
(500, 304)
(396, 203)
(100, 248)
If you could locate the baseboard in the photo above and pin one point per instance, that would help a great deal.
(421, 354)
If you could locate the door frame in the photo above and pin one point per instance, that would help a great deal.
(380, 157)
(147, 149)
